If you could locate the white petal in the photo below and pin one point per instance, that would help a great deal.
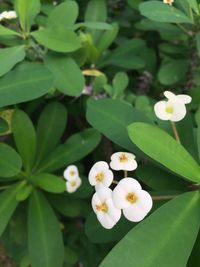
(134, 214)
(144, 200)
(169, 95)
(130, 166)
(119, 197)
(160, 110)
(100, 165)
(125, 186)
(102, 195)
(117, 165)
(130, 184)
(91, 177)
(105, 220)
(186, 99)
(71, 172)
(113, 212)
(69, 188)
(107, 177)
(179, 111)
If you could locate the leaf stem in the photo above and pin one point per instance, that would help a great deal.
(163, 197)
(175, 132)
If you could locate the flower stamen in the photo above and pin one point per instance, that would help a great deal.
(103, 207)
(123, 158)
(73, 183)
(131, 197)
(169, 110)
(99, 177)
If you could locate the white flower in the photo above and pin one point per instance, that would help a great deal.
(169, 2)
(71, 172)
(135, 202)
(73, 184)
(8, 15)
(123, 161)
(173, 108)
(100, 175)
(102, 204)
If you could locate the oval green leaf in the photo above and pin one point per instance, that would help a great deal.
(10, 161)
(27, 82)
(9, 57)
(58, 39)
(68, 77)
(45, 244)
(50, 128)
(49, 182)
(163, 148)
(25, 137)
(158, 11)
(75, 148)
(173, 228)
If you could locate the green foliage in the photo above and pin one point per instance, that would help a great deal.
(163, 148)
(170, 220)
(44, 231)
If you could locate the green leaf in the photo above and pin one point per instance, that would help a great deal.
(9, 57)
(158, 11)
(49, 182)
(120, 82)
(173, 71)
(108, 37)
(68, 77)
(51, 125)
(97, 234)
(96, 12)
(45, 244)
(111, 117)
(194, 5)
(24, 192)
(25, 137)
(159, 179)
(64, 14)
(173, 228)
(127, 55)
(197, 36)
(66, 206)
(7, 32)
(27, 11)
(8, 205)
(93, 25)
(75, 148)
(27, 82)
(58, 39)
(4, 127)
(163, 148)
(10, 161)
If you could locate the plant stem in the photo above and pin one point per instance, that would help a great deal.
(163, 197)
(125, 174)
(184, 29)
(115, 182)
(175, 132)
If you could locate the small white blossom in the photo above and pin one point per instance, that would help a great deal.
(135, 202)
(71, 172)
(173, 108)
(8, 15)
(100, 175)
(73, 184)
(168, 2)
(123, 161)
(102, 204)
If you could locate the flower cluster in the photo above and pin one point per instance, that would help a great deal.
(127, 197)
(172, 109)
(73, 181)
(8, 15)
(168, 2)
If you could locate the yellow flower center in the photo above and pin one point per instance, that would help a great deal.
(72, 173)
(73, 183)
(169, 2)
(131, 197)
(123, 158)
(103, 207)
(99, 177)
(169, 110)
